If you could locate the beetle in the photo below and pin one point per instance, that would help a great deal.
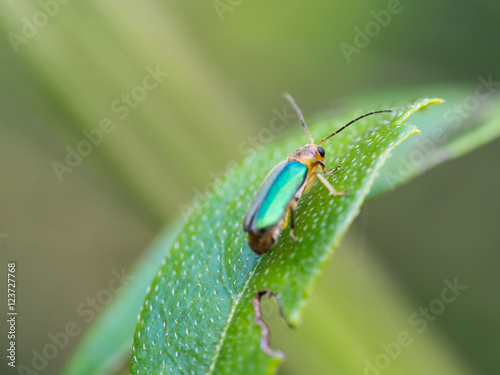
(275, 201)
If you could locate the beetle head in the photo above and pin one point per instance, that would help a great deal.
(309, 155)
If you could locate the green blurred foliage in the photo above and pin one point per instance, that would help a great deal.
(226, 77)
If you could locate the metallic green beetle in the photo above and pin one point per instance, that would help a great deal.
(277, 198)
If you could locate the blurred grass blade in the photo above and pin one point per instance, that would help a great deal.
(198, 316)
(451, 130)
(82, 76)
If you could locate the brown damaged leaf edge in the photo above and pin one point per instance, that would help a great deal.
(265, 339)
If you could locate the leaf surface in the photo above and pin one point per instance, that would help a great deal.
(198, 316)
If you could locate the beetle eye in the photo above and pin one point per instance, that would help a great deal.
(321, 151)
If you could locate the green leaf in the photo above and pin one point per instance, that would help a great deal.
(198, 316)
(110, 337)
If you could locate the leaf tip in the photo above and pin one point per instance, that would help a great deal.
(436, 101)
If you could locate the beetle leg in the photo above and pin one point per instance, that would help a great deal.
(292, 224)
(330, 187)
(332, 172)
(323, 168)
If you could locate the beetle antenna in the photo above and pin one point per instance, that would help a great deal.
(353, 121)
(299, 114)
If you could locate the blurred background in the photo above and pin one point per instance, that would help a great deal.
(115, 115)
